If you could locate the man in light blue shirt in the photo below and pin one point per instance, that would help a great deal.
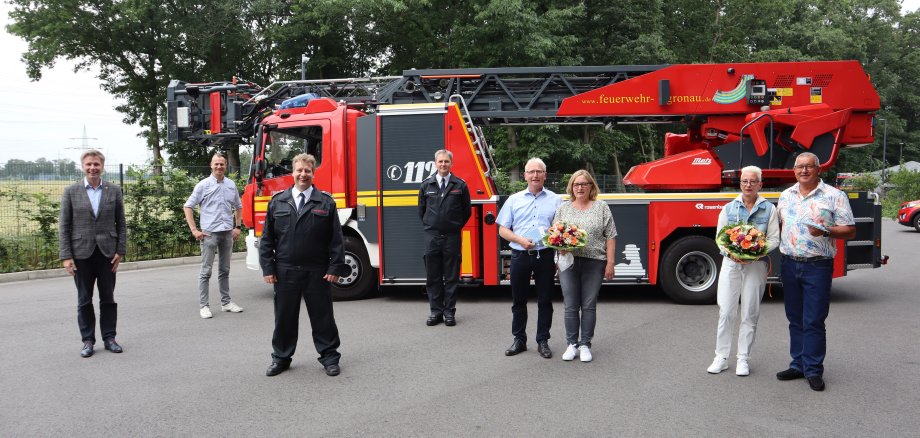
(523, 219)
(219, 205)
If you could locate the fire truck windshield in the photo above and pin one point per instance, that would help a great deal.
(284, 144)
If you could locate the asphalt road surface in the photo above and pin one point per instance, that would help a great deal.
(183, 376)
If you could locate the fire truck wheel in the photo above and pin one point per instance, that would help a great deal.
(690, 270)
(361, 281)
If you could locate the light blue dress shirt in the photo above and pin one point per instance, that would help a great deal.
(95, 195)
(217, 201)
(528, 215)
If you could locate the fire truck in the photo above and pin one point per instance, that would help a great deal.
(374, 140)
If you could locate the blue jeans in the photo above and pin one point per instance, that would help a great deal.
(807, 291)
(580, 286)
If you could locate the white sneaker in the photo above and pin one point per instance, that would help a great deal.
(570, 352)
(742, 368)
(205, 312)
(584, 353)
(231, 307)
(719, 364)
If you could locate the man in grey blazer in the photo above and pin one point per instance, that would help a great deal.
(93, 242)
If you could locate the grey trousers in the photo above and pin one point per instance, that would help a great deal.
(221, 244)
(580, 285)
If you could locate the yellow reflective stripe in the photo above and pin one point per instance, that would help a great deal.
(400, 201)
(368, 193)
(466, 260)
(260, 206)
(400, 192)
(368, 201)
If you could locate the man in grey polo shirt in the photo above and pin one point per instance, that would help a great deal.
(219, 208)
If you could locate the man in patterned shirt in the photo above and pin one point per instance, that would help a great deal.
(813, 216)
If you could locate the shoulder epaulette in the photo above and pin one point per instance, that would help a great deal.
(327, 194)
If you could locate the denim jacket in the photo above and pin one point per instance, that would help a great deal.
(763, 216)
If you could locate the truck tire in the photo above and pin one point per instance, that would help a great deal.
(361, 281)
(690, 270)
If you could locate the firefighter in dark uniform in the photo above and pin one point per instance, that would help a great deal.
(302, 252)
(443, 207)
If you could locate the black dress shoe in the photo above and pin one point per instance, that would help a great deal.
(450, 321)
(332, 369)
(276, 368)
(113, 346)
(816, 383)
(434, 320)
(790, 374)
(543, 349)
(87, 350)
(517, 347)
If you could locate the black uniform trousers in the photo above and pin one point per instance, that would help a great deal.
(316, 292)
(542, 266)
(442, 268)
(96, 270)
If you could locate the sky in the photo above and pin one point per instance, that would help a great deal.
(47, 118)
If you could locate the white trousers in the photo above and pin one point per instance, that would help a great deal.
(744, 283)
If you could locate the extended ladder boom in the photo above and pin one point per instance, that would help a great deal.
(524, 95)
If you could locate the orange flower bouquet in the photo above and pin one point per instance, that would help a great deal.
(564, 236)
(742, 241)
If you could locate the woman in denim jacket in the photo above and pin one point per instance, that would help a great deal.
(743, 279)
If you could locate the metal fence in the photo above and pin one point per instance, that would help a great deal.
(30, 195)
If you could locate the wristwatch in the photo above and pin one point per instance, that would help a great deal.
(827, 233)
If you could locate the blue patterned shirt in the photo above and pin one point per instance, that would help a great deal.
(825, 207)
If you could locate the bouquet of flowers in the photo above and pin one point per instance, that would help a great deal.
(564, 236)
(742, 241)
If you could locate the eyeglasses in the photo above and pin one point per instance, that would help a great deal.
(585, 184)
(804, 167)
(535, 172)
(749, 182)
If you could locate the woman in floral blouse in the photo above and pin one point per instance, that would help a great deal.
(581, 281)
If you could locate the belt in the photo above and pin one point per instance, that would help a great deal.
(807, 259)
(530, 251)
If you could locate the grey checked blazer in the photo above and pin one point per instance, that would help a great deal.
(81, 231)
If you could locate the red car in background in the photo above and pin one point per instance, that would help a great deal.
(909, 214)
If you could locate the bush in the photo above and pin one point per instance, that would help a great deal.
(864, 182)
(906, 188)
(153, 212)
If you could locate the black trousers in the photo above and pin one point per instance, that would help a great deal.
(442, 267)
(96, 270)
(293, 285)
(542, 266)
